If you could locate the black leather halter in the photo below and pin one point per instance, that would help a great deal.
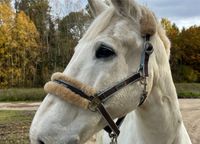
(97, 100)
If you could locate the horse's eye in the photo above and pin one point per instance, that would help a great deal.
(104, 51)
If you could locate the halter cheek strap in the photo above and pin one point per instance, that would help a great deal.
(141, 76)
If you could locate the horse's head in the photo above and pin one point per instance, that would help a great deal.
(109, 51)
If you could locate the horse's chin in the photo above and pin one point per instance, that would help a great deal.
(59, 137)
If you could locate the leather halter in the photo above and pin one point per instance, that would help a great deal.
(97, 100)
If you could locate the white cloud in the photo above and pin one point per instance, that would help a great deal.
(184, 13)
(187, 22)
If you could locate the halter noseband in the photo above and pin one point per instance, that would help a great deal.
(95, 101)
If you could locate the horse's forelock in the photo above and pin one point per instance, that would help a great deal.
(147, 22)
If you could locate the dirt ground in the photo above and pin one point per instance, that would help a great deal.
(190, 109)
(19, 106)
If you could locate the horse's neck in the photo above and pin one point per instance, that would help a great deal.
(159, 120)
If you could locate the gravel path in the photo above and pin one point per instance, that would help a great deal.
(19, 106)
(190, 109)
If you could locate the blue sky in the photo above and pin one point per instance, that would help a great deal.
(183, 12)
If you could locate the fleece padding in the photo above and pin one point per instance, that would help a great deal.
(65, 93)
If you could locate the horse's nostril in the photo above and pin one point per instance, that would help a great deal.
(40, 141)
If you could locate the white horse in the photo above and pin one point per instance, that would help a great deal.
(158, 121)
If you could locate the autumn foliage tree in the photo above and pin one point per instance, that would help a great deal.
(185, 52)
(19, 48)
(34, 44)
(190, 43)
(6, 26)
(39, 12)
(38, 55)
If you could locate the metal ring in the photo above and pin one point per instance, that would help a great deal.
(94, 104)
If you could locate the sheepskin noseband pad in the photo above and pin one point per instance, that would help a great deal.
(65, 93)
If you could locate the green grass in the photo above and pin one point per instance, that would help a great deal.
(14, 126)
(22, 94)
(184, 90)
(188, 90)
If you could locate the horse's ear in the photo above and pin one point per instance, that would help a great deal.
(97, 7)
(147, 22)
(127, 8)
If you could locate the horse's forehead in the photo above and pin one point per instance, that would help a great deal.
(121, 27)
(124, 30)
(120, 31)
(111, 24)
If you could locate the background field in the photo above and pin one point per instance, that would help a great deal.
(188, 90)
(22, 94)
(184, 90)
(14, 126)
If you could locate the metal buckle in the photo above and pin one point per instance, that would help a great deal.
(113, 138)
(148, 48)
(94, 104)
(143, 97)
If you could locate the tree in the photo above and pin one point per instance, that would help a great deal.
(70, 29)
(39, 13)
(7, 2)
(166, 24)
(172, 32)
(26, 43)
(6, 26)
(19, 48)
(191, 44)
(185, 58)
(56, 43)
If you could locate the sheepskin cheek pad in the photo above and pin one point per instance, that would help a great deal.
(65, 93)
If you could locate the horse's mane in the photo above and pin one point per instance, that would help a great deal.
(163, 37)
